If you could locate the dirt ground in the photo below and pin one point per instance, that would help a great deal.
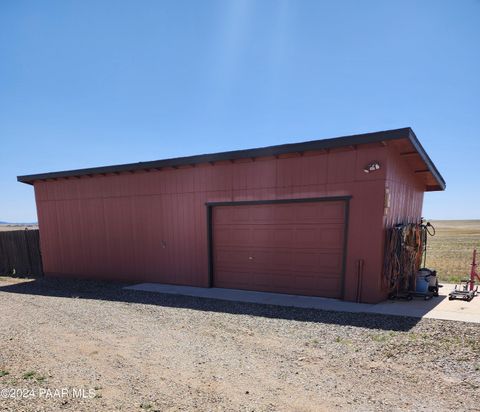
(5, 227)
(137, 351)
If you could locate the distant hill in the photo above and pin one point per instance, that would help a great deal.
(18, 223)
(9, 226)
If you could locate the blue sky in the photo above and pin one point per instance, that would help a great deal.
(89, 83)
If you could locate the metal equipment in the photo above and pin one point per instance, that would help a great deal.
(405, 249)
(426, 283)
(462, 291)
(426, 286)
(467, 289)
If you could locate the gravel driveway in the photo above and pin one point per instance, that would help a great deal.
(132, 350)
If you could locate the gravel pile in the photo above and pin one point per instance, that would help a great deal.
(129, 350)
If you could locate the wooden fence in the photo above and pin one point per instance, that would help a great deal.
(20, 253)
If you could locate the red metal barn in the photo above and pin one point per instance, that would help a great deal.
(293, 218)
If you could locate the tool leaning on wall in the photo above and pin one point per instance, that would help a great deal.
(405, 252)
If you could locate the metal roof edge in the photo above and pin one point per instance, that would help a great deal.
(426, 158)
(335, 142)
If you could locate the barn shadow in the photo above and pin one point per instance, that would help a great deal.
(113, 291)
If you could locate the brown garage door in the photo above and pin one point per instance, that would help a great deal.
(293, 248)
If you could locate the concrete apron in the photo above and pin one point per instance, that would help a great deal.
(435, 308)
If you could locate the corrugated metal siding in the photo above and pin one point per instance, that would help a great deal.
(152, 226)
(406, 192)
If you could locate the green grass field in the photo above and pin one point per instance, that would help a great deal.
(450, 250)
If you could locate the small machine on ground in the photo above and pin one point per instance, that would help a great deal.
(426, 283)
(467, 289)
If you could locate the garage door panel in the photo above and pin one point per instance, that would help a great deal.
(283, 214)
(303, 285)
(273, 282)
(319, 263)
(289, 247)
(332, 237)
(280, 261)
(283, 282)
(328, 285)
(231, 235)
(232, 256)
(331, 210)
(297, 236)
(292, 236)
(237, 258)
(262, 214)
(327, 282)
(241, 214)
(271, 259)
(309, 213)
(273, 237)
(300, 213)
(293, 261)
(233, 279)
(318, 236)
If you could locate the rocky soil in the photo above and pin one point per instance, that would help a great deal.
(132, 351)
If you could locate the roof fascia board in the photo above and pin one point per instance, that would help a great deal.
(428, 162)
(404, 133)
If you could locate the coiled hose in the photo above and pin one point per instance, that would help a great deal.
(405, 246)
